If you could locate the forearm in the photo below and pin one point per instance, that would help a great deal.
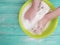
(53, 14)
(36, 3)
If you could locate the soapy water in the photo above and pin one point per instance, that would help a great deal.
(44, 9)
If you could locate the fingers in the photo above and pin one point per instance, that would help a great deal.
(37, 29)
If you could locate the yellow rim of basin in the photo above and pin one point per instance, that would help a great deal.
(50, 28)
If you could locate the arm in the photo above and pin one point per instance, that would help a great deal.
(36, 3)
(53, 14)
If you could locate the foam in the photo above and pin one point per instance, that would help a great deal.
(40, 14)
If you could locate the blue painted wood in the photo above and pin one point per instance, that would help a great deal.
(11, 33)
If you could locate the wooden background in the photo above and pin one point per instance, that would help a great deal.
(11, 33)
